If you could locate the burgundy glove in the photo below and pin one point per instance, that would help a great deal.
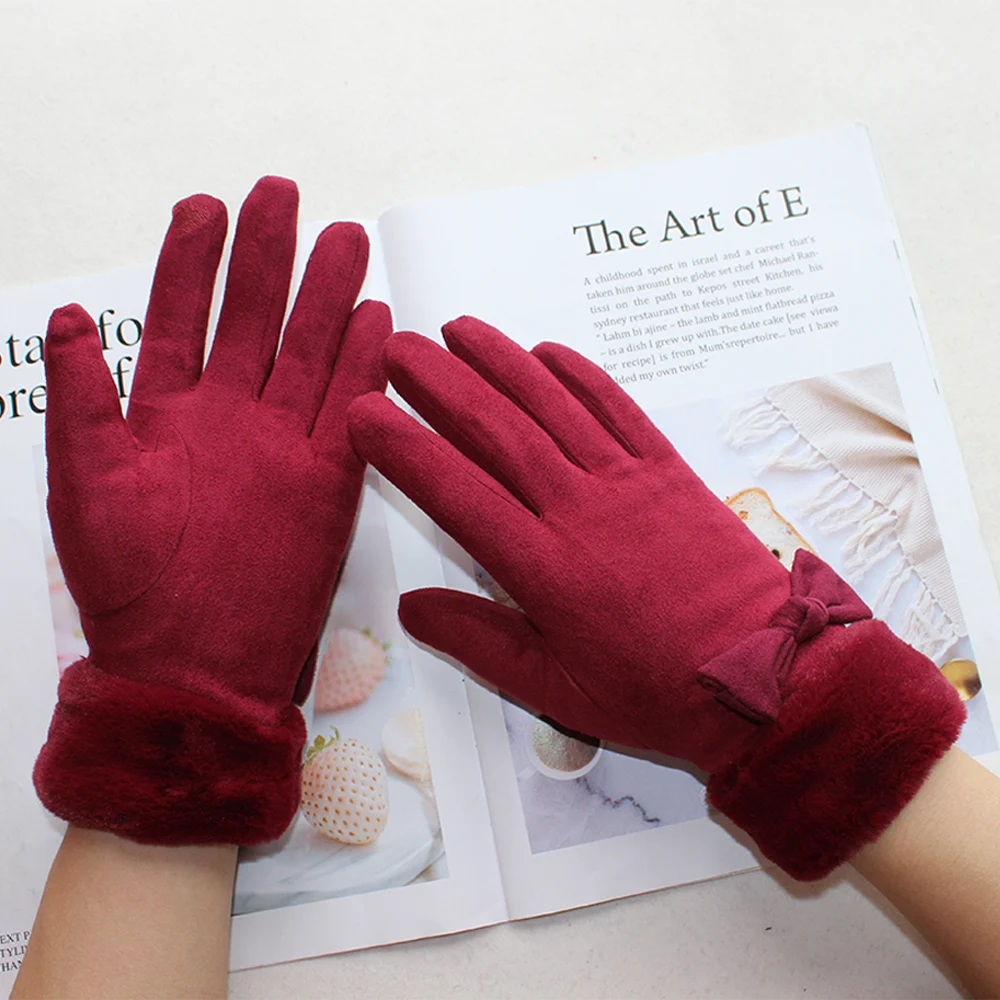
(652, 617)
(201, 536)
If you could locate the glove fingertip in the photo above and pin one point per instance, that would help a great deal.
(548, 349)
(276, 190)
(372, 319)
(350, 236)
(364, 413)
(402, 349)
(199, 211)
(375, 312)
(463, 328)
(68, 322)
(464, 625)
(413, 610)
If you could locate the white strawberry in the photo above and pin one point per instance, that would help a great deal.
(353, 663)
(345, 790)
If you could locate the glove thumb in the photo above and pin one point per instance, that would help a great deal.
(101, 486)
(83, 413)
(497, 643)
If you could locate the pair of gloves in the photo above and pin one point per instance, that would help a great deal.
(201, 537)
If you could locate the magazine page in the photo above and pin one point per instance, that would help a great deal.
(427, 867)
(756, 304)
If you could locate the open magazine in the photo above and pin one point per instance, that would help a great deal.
(757, 304)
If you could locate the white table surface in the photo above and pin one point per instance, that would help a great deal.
(112, 110)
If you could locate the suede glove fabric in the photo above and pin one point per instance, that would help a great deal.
(202, 534)
(650, 615)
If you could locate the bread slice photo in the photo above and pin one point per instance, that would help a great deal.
(754, 507)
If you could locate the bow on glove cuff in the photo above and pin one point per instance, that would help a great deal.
(747, 677)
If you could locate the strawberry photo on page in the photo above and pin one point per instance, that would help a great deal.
(367, 818)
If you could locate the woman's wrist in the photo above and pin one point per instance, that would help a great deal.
(125, 919)
(938, 862)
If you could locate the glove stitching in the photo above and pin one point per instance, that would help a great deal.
(141, 592)
(601, 710)
(603, 419)
(482, 466)
(510, 393)
(324, 395)
(340, 302)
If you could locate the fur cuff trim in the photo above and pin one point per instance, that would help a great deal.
(869, 718)
(160, 765)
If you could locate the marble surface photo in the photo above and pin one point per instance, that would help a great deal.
(620, 794)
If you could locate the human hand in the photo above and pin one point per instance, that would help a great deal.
(201, 535)
(651, 615)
